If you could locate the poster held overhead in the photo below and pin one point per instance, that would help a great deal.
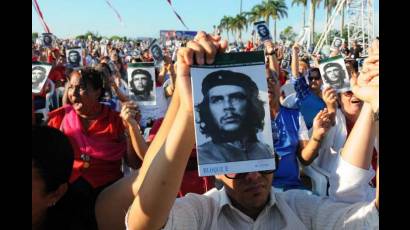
(232, 118)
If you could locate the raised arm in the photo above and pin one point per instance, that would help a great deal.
(162, 171)
(295, 60)
(308, 150)
(359, 145)
(129, 114)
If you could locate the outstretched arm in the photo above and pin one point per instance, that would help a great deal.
(359, 145)
(162, 171)
(295, 60)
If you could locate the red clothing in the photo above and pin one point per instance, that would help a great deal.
(282, 77)
(191, 182)
(107, 127)
(57, 75)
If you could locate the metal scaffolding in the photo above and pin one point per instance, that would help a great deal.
(359, 19)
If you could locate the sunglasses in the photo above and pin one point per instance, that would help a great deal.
(243, 175)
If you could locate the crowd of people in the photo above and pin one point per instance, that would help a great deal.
(102, 160)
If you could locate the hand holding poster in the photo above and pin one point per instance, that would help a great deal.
(232, 129)
(334, 74)
(141, 82)
(39, 75)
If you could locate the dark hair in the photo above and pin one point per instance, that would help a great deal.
(93, 77)
(150, 82)
(255, 112)
(52, 156)
(73, 51)
(39, 68)
(314, 70)
(333, 64)
(76, 52)
(105, 69)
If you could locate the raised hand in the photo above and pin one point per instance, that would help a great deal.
(329, 96)
(366, 86)
(130, 113)
(321, 124)
(204, 48)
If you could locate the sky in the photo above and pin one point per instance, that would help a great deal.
(145, 18)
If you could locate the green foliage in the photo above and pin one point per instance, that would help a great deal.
(287, 34)
(34, 36)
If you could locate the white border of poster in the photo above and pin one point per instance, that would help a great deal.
(47, 67)
(151, 69)
(256, 71)
(339, 62)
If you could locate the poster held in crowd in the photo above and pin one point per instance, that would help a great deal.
(156, 52)
(262, 30)
(74, 57)
(47, 40)
(39, 76)
(232, 118)
(334, 74)
(141, 82)
(337, 43)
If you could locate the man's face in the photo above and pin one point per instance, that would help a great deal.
(47, 40)
(315, 81)
(333, 73)
(227, 104)
(74, 57)
(140, 82)
(250, 192)
(338, 42)
(263, 31)
(37, 76)
(156, 52)
(350, 104)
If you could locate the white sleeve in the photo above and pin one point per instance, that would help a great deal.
(350, 184)
(303, 131)
(323, 213)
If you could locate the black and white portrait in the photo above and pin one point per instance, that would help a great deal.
(337, 42)
(39, 74)
(156, 52)
(74, 57)
(47, 39)
(262, 29)
(334, 74)
(141, 82)
(232, 119)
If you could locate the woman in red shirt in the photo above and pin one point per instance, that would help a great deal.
(97, 134)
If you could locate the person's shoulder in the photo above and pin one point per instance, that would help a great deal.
(208, 200)
(56, 116)
(206, 146)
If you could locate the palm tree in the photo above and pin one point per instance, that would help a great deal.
(313, 5)
(343, 18)
(329, 5)
(238, 23)
(304, 4)
(275, 9)
(225, 24)
(255, 14)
